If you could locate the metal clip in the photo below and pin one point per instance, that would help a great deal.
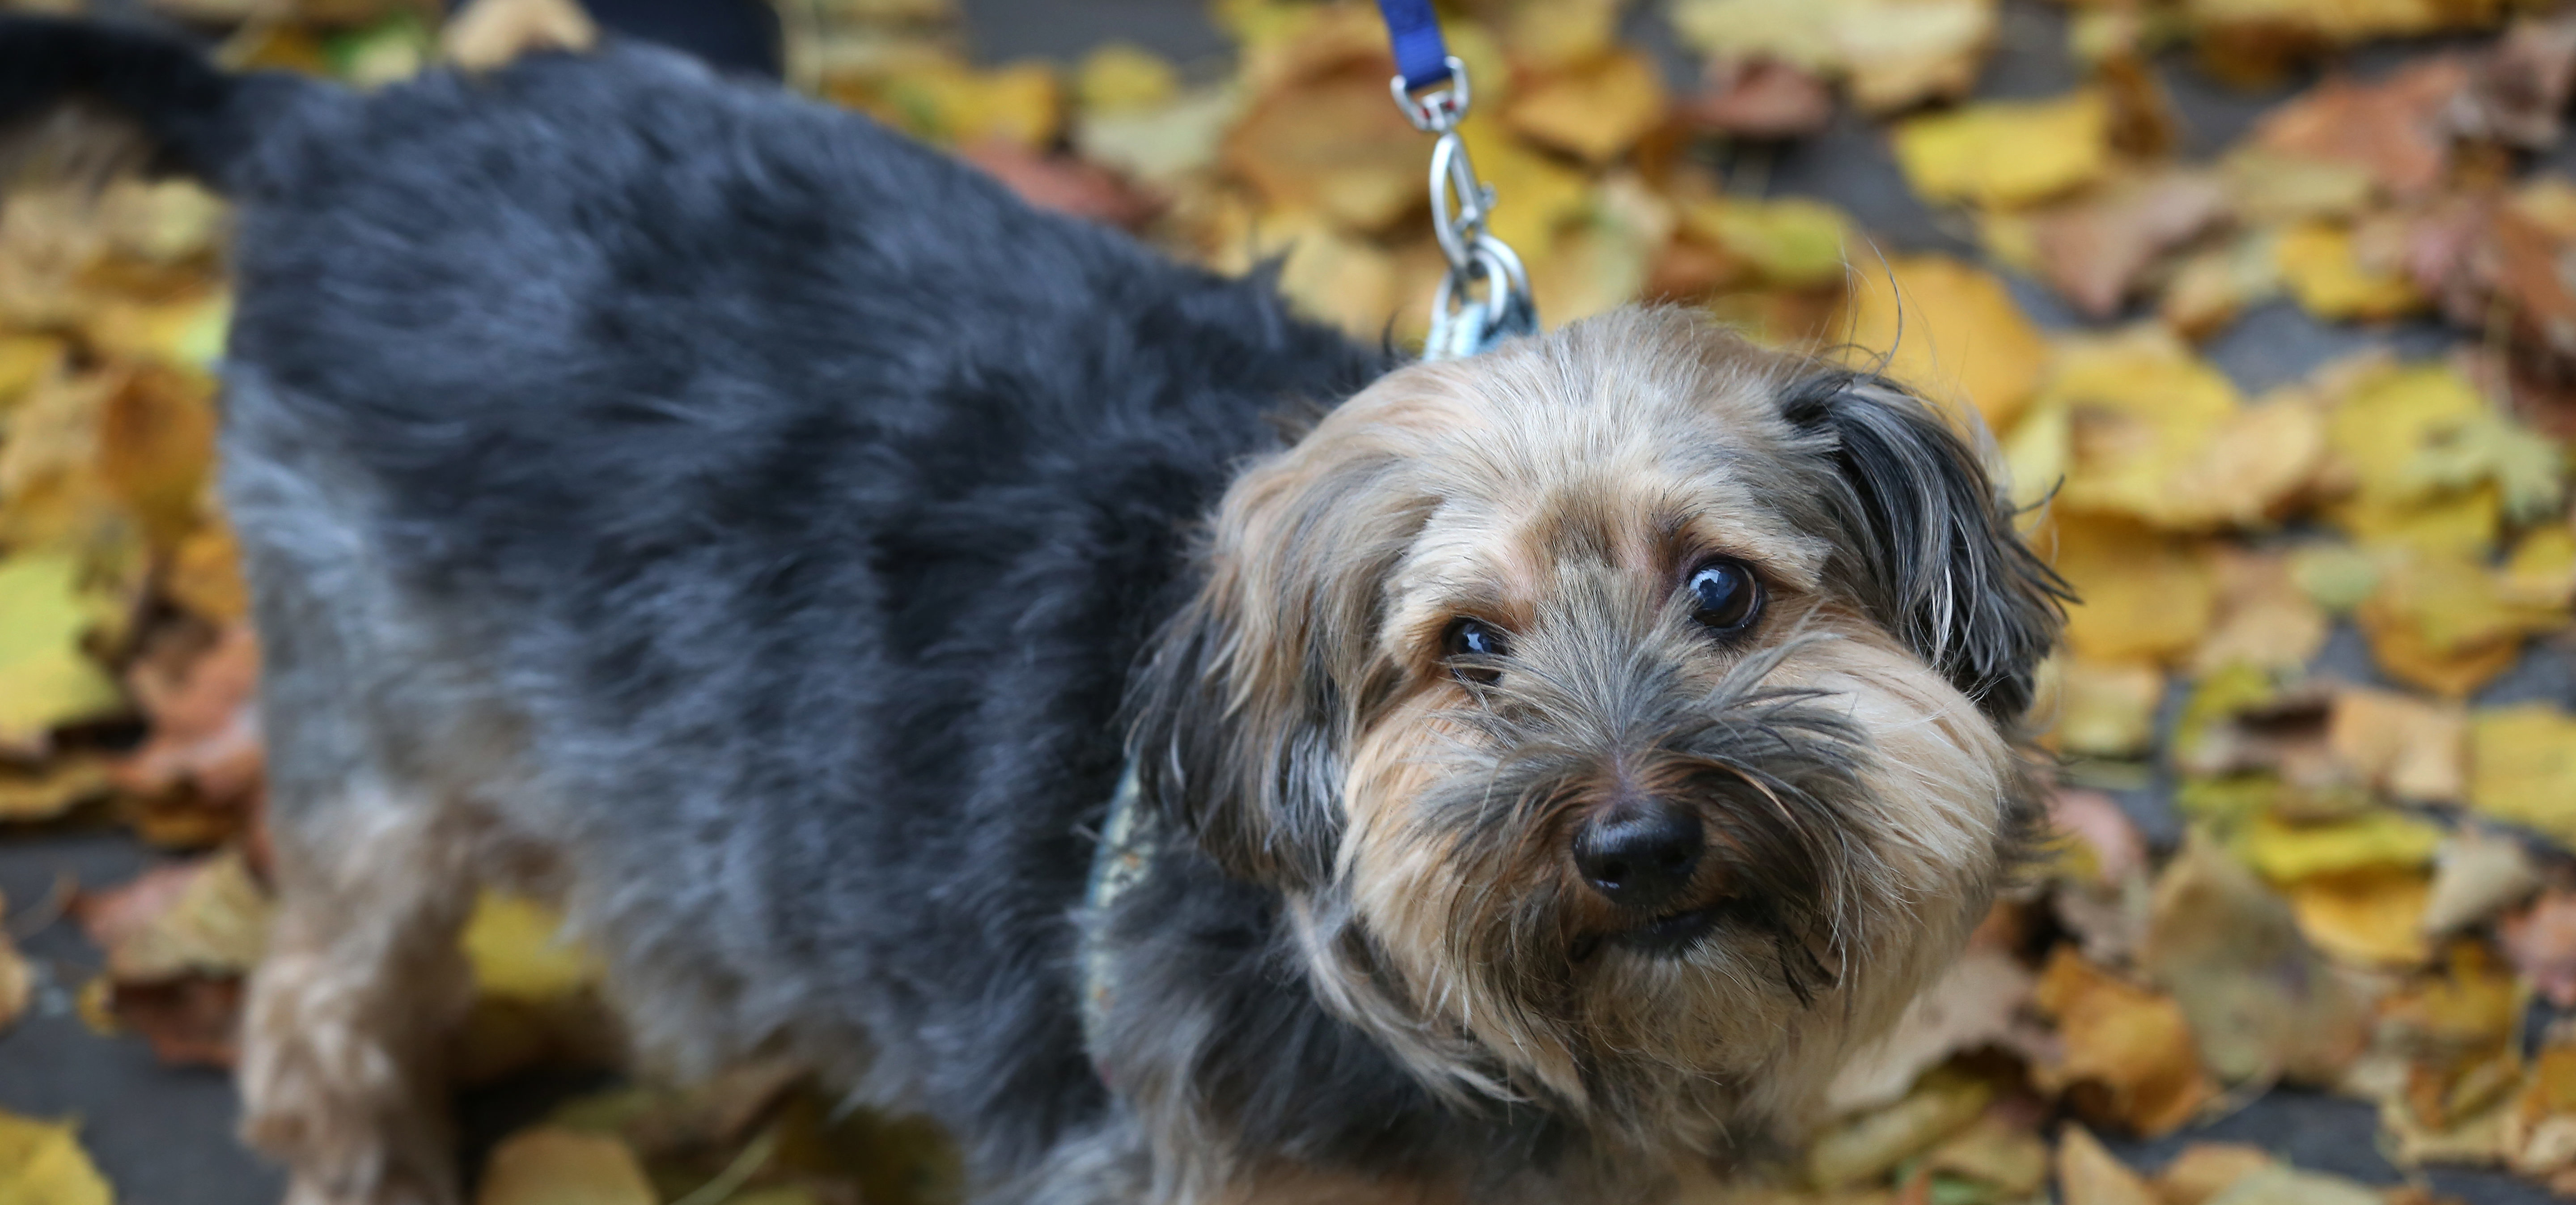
(1485, 297)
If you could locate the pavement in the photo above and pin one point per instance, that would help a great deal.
(164, 1137)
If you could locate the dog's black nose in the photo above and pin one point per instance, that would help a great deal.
(1639, 854)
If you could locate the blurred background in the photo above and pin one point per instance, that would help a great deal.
(2273, 303)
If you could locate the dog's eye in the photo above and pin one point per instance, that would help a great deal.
(1478, 639)
(1725, 596)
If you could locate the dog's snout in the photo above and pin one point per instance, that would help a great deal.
(1639, 854)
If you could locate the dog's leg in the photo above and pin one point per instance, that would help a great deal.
(342, 1075)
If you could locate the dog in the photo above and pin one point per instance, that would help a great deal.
(1194, 757)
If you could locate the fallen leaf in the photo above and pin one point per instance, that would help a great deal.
(2090, 1175)
(42, 1163)
(2540, 938)
(2328, 275)
(46, 679)
(2443, 621)
(1164, 146)
(200, 917)
(2105, 710)
(559, 1167)
(2261, 1003)
(1974, 1003)
(2282, 1185)
(2205, 1169)
(2397, 130)
(2381, 839)
(2522, 767)
(2411, 748)
(2379, 428)
(1595, 111)
(2006, 153)
(1758, 98)
(2477, 874)
(2264, 619)
(518, 952)
(2519, 89)
(1790, 242)
(203, 704)
(17, 983)
(1997, 1153)
(191, 1021)
(2156, 433)
(484, 34)
(2144, 594)
(2095, 250)
(2372, 918)
(1890, 54)
(1332, 146)
(61, 784)
(1865, 1147)
(2129, 1056)
(1949, 330)
(1062, 183)
(1122, 76)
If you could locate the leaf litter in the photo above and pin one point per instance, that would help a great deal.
(2374, 880)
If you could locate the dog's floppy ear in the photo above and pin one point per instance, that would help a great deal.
(1931, 538)
(1243, 713)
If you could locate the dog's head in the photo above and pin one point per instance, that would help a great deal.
(1626, 716)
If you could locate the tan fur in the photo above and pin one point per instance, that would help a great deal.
(1562, 490)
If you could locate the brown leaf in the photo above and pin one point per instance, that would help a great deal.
(190, 1021)
(17, 983)
(2095, 250)
(2261, 1002)
(2540, 938)
(485, 34)
(1595, 111)
(2398, 129)
(202, 699)
(2206, 1169)
(1867, 1146)
(2402, 745)
(1975, 1003)
(2090, 1175)
(1759, 98)
(2519, 90)
(1062, 183)
(2476, 875)
(1334, 146)
(2129, 1057)
(201, 917)
(60, 785)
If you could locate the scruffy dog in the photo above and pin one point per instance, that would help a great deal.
(777, 542)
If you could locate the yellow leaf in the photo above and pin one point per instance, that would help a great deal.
(42, 1163)
(1865, 1147)
(24, 361)
(2142, 595)
(1952, 332)
(1595, 111)
(2331, 282)
(16, 984)
(1792, 242)
(516, 948)
(560, 1167)
(2006, 153)
(61, 784)
(1343, 280)
(1535, 194)
(2280, 1184)
(46, 681)
(2264, 619)
(1120, 76)
(1993, 1152)
(2412, 748)
(2541, 572)
(2131, 1045)
(2442, 621)
(2369, 917)
(2157, 433)
(2090, 1175)
(1892, 54)
(2378, 840)
(2104, 709)
(208, 917)
(2522, 767)
(1333, 146)
(2379, 429)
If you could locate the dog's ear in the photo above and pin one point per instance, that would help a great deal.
(1243, 712)
(1930, 537)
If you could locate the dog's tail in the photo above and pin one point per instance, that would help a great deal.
(196, 118)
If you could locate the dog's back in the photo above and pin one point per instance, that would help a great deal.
(754, 502)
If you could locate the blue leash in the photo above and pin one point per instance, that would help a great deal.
(1485, 297)
(1421, 57)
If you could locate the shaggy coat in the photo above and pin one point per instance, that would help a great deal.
(769, 537)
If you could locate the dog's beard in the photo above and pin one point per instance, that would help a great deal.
(1468, 935)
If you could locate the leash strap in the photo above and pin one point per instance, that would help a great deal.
(1421, 57)
(1485, 297)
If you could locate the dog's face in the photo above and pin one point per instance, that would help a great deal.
(1625, 716)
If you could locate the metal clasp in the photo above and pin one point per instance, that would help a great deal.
(1485, 297)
